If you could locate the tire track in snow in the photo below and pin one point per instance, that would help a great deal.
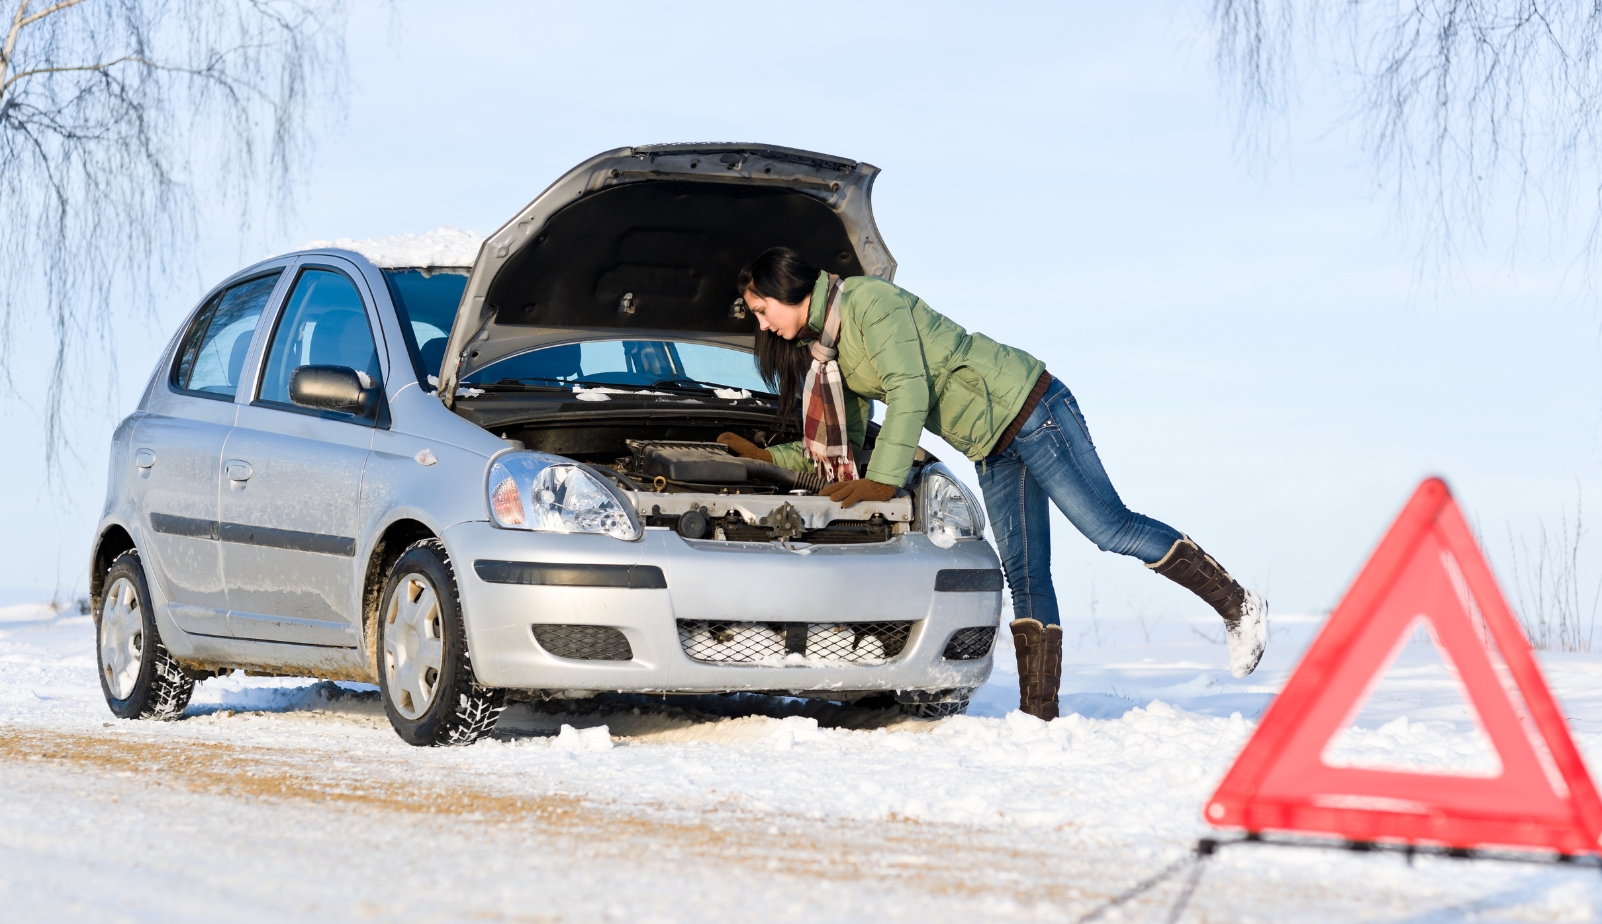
(925, 871)
(954, 861)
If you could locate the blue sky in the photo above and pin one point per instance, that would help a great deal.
(1249, 342)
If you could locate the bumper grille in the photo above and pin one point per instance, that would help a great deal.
(760, 642)
(970, 644)
(584, 643)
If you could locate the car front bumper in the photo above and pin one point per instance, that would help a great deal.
(718, 581)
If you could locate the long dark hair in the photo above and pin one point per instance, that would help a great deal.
(782, 274)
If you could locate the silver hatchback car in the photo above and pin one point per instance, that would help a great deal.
(492, 478)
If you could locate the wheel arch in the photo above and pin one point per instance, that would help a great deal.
(395, 539)
(112, 541)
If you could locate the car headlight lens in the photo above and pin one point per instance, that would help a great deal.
(949, 511)
(530, 490)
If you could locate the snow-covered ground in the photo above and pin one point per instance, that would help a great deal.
(288, 799)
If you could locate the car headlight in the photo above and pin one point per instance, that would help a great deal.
(531, 490)
(949, 511)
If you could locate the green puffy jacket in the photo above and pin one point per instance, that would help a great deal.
(930, 373)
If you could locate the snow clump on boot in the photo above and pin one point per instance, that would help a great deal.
(1249, 635)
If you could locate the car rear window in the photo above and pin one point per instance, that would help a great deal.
(212, 357)
(425, 303)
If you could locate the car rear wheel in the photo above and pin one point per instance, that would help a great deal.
(430, 693)
(138, 676)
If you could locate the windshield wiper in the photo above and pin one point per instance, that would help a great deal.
(552, 382)
(511, 385)
(704, 386)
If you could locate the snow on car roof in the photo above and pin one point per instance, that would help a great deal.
(447, 245)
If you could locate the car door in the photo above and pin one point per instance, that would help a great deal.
(292, 476)
(178, 447)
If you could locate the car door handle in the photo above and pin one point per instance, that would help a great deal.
(145, 458)
(237, 470)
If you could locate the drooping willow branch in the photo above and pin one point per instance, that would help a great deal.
(1461, 104)
(119, 120)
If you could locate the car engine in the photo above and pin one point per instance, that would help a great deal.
(703, 491)
(679, 466)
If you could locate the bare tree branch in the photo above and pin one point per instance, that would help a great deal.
(46, 12)
(1462, 104)
(10, 46)
(94, 67)
(118, 119)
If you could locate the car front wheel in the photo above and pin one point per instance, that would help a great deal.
(138, 676)
(934, 704)
(430, 693)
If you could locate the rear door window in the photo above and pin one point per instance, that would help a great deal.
(211, 360)
(324, 323)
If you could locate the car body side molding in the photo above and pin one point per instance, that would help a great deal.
(244, 534)
(190, 527)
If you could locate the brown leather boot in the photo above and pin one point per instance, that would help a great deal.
(1245, 613)
(1196, 571)
(1039, 666)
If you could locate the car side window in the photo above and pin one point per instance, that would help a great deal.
(323, 324)
(212, 358)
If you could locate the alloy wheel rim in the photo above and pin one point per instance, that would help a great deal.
(413, 648)
(122, 639)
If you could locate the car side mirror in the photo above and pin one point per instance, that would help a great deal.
(332, 388)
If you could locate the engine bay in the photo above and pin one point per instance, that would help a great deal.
(680, 479)
(678, 466)
(703, 491)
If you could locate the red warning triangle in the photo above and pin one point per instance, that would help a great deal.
(1428, 566)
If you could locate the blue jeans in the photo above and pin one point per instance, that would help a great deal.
(1053, 457)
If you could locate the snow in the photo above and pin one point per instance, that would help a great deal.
(569, 738)
(600, 392)
(289, 799)
(446, 246)
(462, 389)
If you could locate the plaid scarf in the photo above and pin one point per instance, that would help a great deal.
(823, 400)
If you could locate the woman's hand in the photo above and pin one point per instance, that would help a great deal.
(848, 493)
(744, 448)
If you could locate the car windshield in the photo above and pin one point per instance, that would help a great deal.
(425, 301)
(626, 362)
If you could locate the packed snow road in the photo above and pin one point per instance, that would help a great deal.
(288, 799)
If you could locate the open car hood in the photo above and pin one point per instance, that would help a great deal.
(645, 243)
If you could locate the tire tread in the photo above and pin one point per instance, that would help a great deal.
(476, 707)
(170, 687)
(934, 710)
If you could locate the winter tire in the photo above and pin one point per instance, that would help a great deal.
(430, 693)
(934, 710)
(941, 704)
(139, 677)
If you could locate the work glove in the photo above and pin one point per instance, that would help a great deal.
(848, 493)
(744, 448)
